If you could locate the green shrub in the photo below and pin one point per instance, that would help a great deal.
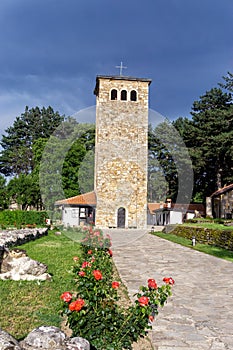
(94, 312)
(21, 218)
(218, 237)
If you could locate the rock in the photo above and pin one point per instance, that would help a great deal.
(43, 338)
(77, 343)
(58, 233)
(2, 250)
(7, 342)
(51, 338)
(8, 257)
(16, 265)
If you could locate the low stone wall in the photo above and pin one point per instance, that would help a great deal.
(11, 238)
(43, 338)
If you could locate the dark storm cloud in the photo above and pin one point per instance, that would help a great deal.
(52, 50)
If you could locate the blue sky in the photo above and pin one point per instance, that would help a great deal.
(52, 50)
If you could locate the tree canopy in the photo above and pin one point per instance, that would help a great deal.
(17, 144)
(170, 168)
(43, 144)
(47, 156)
(228, 82)
(209, 138)
(62, 157)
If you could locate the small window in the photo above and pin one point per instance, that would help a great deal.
(114, 94)
(124, 95)
(75, 213)
(133, 95)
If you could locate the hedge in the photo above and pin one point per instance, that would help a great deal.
(219, 238)
(20, 218)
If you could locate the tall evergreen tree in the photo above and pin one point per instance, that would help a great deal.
(209, 137)
(17, 155)
(228, 84)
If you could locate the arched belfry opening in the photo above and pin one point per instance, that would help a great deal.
(124, 95)
(113, 94)
(133, 95)
(121, 216)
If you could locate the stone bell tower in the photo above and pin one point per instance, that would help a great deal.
(121, 151)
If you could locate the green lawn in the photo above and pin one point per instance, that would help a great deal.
(26, 305)
(212, 250)
(209, 225)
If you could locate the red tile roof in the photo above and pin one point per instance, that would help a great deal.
(83, 199)
(154, 206)
(177, 206)
(190, 207)
(222, 190)
(90, 199)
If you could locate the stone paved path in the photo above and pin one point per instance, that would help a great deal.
(199, 315)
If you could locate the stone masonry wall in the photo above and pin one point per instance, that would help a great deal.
(121, 154)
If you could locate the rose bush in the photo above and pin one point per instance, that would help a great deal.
(93, 311)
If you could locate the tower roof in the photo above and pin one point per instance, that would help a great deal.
(118, 77)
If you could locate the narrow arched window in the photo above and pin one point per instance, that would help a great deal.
(113, 94)
(133, 95)
(124, 95)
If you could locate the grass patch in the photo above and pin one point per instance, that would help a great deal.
(209, 225)
(204, 248)
(26, 305)
(75, 234)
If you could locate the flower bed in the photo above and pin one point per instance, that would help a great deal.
(93, 311)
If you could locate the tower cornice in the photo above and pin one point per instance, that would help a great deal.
(118, 77)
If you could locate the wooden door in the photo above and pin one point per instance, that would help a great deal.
(121, 218)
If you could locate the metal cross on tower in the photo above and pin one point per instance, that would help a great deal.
(121, 67)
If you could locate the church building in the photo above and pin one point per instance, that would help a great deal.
(121, 152)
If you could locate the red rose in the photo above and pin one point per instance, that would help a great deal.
(97, 274)
(143, 301)
(82, 273)
(66, 296)
(110, 252)
(169, 280)
(77, 305)
(89, 252)
(151, 318)
(86, 264)
(152, 284)
(115, 285)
